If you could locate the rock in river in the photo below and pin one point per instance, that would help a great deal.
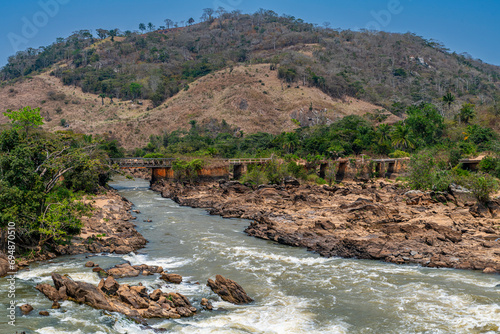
(229, 290)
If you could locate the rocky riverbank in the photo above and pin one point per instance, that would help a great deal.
(109, 229)
(380, 221)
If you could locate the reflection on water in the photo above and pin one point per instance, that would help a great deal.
(295, 291)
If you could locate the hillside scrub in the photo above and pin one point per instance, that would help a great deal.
(388, 69)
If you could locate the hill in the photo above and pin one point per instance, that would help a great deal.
(243, 68)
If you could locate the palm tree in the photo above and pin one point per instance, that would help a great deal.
(448, 99)
(102, 96)
(383, 133)
(151, 26)
(142, 27)
(402, 137)
(467, 113)
(290, 141)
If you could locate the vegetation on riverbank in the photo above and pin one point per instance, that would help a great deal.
(44, 178)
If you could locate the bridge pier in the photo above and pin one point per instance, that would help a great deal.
(238, 171)
(161, 173)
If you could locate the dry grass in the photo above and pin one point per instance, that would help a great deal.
(250, 97)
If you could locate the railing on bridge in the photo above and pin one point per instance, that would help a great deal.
(167, 162)
(142, 162)
(247, 161)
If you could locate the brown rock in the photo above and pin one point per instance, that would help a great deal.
(109, 286)
(123, 271)
(155, 295)
(44, 313)
(229, 290)
(4, 265)
(206, 304)
(56, 305)
(82, 292)
(90, 264)
(26, 308)
(51, 292)
(172, 278)
(123, 249)
(97, 269)
(131, 297)
(489, 270)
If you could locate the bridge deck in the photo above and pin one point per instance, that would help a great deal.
(167, 162)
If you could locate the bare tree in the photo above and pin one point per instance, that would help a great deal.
(169, 23)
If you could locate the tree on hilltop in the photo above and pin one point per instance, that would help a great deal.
(102, 33)
(169, 23)
(142, 27)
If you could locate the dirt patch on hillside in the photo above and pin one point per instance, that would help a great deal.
(249, 97)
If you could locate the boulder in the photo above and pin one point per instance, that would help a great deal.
(90, 264)
(229, 290)
(123, 249)
(44, 313)
(52, 293)
(26, 308)
(4, 264)
(172, 278)
(82, 292)
(155, 295)
(126, 270)
(291, 182)
(56, 305)
(206, 304)
(109, 286)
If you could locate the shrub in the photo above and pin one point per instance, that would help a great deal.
(398, 154)
(420, 174)
(481, 185)
(255, 176)
(154, 156)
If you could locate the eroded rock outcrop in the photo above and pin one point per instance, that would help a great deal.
(133, 301)
(381, 221)
(229, 290)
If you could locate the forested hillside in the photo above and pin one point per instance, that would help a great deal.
(387, 69)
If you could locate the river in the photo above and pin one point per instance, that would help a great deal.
(295, 291)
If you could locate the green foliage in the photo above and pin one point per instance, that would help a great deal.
(481, 185)
(25, 118)
(399, 154)
(421, 171)
(466, 113)
(187, 170)
(154, 155)
(255, 176)
(43, 177)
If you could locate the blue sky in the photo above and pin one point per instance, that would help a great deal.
(462, 26)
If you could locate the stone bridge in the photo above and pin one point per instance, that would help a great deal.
(345, 168)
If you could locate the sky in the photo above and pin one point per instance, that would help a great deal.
(466, 26)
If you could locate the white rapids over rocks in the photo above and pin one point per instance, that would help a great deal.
(295, 291)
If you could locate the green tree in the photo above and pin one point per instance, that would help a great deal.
(142, 27)
(102, 96)
(113, 33)
(190, 21)
(135, 90)
(448, 99)
(402, 137)
(25, 118)
(151, 26)
(102, 33)
(466, 113)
